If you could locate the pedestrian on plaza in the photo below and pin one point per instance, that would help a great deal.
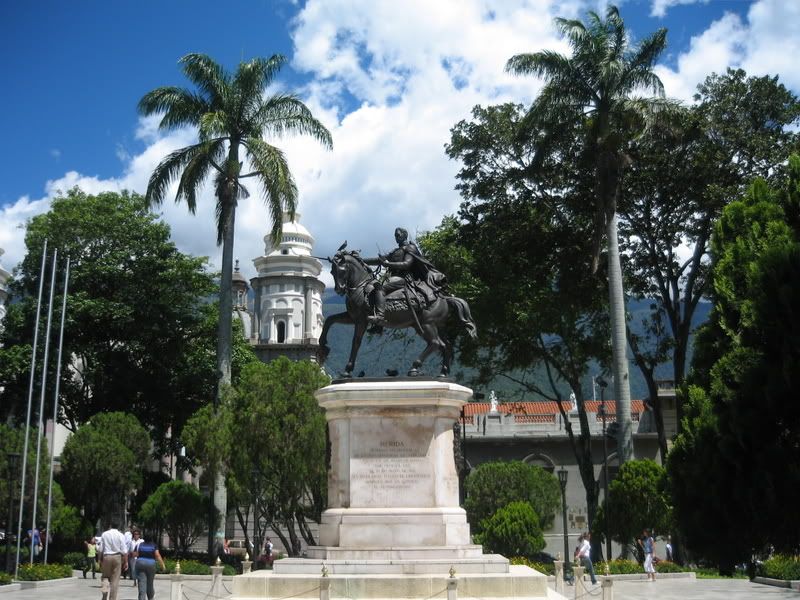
(136, 539)
(668, 548)
(90, 561)
(128, 537)
(34, 541)
(648, 547)
(113, 552)
(585, 555)
(146, 555)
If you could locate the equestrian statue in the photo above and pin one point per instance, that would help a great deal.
(405, 290)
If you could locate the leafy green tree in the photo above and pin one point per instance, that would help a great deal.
(102, 463)
(748, 366)
(12, 440)
(134, 310)
(179, 509)
(638, 499)
(493, 485)
(542, 328)
(682, 175)
(595, 88)
(269, 436)
(513, 530)
(232, 114)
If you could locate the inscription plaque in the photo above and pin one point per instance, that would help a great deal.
(390, 469)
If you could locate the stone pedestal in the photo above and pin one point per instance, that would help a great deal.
(393, 485)
(393, 527)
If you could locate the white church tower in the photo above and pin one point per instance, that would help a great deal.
(287, 312)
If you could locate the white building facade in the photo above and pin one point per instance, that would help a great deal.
(4, 278)
(287, 312)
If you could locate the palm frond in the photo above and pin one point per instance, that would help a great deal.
(572, 29)
(180, 107)
(280, 190)
(168, 170)
(282, 114)
(648, 50)
(541, 64)
(196, 171)
(207, 75)
(213, 124)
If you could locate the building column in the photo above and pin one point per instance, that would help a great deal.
(308, 326)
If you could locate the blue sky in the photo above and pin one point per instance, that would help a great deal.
(388, 78)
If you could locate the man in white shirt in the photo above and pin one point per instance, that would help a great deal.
(113, 553)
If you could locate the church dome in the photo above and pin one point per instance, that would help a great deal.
(295, 239)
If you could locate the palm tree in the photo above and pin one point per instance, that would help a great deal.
(233, 114)
(595, 89)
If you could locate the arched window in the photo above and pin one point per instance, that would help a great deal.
(281, 332)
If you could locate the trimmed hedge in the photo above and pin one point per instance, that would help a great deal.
(75, 559)
(38, 572)
(619, 567)
(782, 566)
(194, 567)
(547, 569)
(5, 578)
(665, 566)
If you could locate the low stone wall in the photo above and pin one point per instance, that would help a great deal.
(784, 583)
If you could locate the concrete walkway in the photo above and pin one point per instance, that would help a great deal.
(664, 589)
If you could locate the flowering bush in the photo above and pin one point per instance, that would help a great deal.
(37, 572)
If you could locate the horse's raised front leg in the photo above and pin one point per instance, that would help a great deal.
(323, 350)
(431, 335)
(358, 334)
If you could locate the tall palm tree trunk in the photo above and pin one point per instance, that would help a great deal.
(224, 344)
(619, 343)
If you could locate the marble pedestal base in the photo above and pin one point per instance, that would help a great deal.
(393, 528)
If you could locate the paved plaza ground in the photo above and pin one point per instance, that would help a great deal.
(665, 589)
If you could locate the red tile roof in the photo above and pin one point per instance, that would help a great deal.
(544, 408)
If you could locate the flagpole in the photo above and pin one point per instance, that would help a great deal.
(28, 419)
(41, 404)
(55, 413)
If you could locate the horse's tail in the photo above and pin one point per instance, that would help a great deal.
(461, 309)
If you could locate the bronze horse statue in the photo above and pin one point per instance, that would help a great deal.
(354, 279)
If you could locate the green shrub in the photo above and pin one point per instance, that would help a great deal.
(75, 559)
(547, 569)
(513, 531)
(195, 567)
(665, 566)
(37, 572)
(620, 567)
(782, 566)
(5, 578)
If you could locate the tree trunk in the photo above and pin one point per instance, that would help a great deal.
(224, 343)
(619, 344)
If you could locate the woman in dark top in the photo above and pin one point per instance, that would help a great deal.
(146, 556)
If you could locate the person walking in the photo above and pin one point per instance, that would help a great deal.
(146, 555)
(90, 561)
(648, 546)
(585, 554)
(113, 552)
(136, 539)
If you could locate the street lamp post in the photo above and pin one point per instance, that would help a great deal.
(562, 479)
(12, 461)
(603, 384)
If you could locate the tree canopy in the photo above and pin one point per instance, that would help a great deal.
(743, 424)
(493, 485)
(179, 509)
(102, 463)
(134, 312)
(269, 438)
